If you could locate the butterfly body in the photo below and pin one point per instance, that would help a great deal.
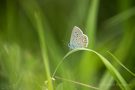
(78, 39)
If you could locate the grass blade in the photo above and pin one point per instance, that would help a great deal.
(43, 49)
(116, 59)
(75, 82)
(116, 75)
(92, 20)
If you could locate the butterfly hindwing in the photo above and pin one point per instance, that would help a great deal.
(84, 41)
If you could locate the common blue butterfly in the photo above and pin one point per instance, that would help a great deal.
(78, 39)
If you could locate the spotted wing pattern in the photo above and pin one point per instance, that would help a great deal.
(78, 39)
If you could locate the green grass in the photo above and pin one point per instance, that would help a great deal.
(114, 73)
(43, 49)
(34, 37)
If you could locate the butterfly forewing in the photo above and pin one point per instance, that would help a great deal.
(76, 33)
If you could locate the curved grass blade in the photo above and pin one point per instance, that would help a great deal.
(116, 59)
(116, 75)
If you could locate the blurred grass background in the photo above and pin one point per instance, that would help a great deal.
(34, 37)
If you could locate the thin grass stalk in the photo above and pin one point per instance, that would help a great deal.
(43, 49)
(92, 21)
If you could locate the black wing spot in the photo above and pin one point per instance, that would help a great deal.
(77, 34)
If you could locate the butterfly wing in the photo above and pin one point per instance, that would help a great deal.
(76, 36)
(84, 41)
(76, 33)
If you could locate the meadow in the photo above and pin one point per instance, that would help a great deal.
(35, 52)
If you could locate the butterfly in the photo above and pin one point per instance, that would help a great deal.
(78, 39)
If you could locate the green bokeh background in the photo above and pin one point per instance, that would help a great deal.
(34, 37)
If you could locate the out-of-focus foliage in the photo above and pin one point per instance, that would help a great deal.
(34, 37)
